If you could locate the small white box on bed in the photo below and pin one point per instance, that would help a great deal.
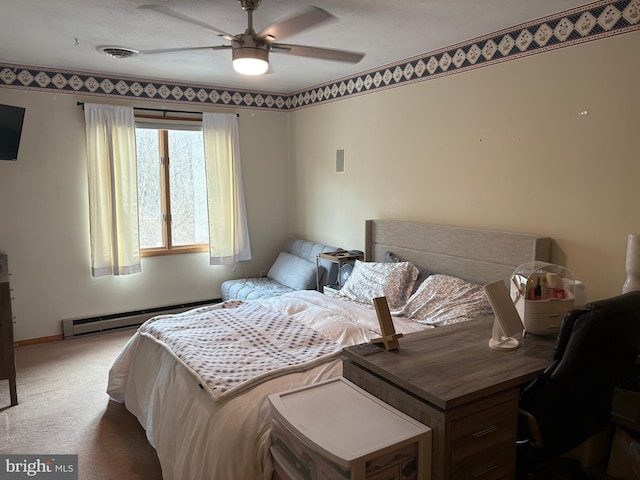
(334, 430)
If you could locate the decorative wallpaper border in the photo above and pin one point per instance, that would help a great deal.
(590, 22)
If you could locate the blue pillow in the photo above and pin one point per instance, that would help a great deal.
(294, 272)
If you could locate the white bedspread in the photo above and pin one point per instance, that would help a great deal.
(195, 438)
(244, 344)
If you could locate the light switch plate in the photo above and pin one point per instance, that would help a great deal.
(339, 161)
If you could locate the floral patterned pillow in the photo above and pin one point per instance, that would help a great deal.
(370, 280)
(444, 300)
(423, 273)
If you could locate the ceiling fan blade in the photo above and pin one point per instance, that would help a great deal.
(172, 13)
(308, 18)
(317, 52)
(182, 49)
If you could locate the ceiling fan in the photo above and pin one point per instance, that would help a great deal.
(250, 50)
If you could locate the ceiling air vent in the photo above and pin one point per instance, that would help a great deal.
(117, 52)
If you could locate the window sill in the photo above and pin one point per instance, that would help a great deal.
(156, 252)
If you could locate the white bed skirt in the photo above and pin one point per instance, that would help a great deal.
(198, 439)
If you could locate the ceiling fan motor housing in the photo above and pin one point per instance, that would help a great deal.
(259, 53)
(246, 46)
(249, 4)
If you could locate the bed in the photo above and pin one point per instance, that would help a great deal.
(202, 400)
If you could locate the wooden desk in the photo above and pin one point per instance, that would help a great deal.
(451, 380)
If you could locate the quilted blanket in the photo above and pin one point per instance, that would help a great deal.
(234, 345)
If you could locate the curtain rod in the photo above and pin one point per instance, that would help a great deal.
(164, 111)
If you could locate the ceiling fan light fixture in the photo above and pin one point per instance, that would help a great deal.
(250, 60)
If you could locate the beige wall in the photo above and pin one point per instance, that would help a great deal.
(44, 220)
(503, 147)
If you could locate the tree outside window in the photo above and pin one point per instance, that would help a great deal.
(172, 198)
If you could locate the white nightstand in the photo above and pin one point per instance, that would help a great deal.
(334, 430)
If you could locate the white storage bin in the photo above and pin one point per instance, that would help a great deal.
(542, 293)
(334, 430)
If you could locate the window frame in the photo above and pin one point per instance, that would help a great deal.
(163, 124)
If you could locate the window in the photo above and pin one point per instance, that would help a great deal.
(172, 197)
(112, 167)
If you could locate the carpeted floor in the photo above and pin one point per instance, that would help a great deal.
(63, 408)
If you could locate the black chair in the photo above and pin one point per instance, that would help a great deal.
(571, 400)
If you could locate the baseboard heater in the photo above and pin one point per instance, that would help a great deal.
(116, 321)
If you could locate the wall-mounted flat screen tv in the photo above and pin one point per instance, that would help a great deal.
(11, 119)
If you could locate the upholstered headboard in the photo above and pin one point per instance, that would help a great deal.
(476, 255)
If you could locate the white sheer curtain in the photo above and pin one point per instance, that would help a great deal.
(113, 189)
(228, 233)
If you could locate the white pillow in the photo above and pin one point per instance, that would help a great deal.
(294, 272)
(444, 300)
(370, 280)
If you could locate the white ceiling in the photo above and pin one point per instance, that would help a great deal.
(63, 34)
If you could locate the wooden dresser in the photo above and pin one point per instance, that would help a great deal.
(7, 358)
(451, 380)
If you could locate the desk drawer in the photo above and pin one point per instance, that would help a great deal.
(492, 464)
(483, 443)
